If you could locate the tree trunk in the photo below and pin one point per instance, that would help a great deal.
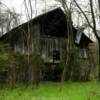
(99, 58)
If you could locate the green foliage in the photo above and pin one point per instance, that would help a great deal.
(73, 65)
(28, 68)
(37, 66)
(6, 58)
(36, 60)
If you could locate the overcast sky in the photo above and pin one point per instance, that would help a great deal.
(16, 4)
(19, 7)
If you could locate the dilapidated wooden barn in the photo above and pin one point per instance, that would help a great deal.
(45, 35)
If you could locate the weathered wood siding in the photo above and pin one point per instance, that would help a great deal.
(50, 44)
(41, 44)
(28, 41)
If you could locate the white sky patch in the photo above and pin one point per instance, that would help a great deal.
(18, 6)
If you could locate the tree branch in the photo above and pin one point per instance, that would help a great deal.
(83, 14)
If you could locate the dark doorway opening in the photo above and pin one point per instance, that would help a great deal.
(52, 72)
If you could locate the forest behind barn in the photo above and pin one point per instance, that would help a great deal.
(59, 47)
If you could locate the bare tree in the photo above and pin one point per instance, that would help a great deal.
(93, 27)
(32, 35)
(88, 17)
(8, 18)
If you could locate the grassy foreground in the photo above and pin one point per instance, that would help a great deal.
(52, 91)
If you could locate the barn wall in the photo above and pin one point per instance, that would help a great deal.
(28, 40)
(50, 44)
(40, 44)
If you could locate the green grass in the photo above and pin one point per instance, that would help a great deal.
(52, 91)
